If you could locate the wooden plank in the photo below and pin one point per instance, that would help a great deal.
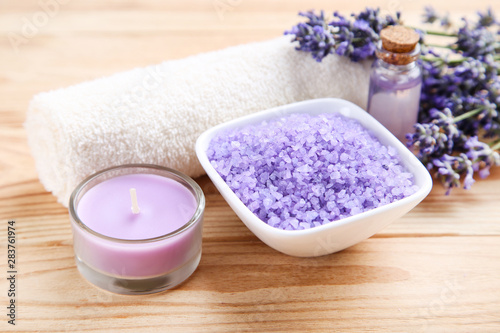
(472, 212)
(409, 284)
(434, 270)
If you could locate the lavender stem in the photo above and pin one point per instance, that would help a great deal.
(466, 115)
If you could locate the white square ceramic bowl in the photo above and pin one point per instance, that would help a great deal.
(336, 235)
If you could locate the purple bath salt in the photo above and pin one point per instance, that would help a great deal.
(301, 171)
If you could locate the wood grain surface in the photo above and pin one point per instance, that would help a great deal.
(437, 269)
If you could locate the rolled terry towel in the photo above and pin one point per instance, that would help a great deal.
(155, 114)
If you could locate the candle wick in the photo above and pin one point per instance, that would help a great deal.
(133, 198)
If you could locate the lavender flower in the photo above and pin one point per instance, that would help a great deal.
(436, 137)
(475, 42)
(375, 20)
(431, 16)
(355, 39)
(450, 168)
(481, 155)
(445, 21)
(313, 36)
(467, 89)
(486, 19)
(460, 89)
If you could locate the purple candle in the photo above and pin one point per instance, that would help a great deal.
(137, 229)
(165, 206)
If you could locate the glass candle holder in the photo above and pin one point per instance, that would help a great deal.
(140, 247)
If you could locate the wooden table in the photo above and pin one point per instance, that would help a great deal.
(435, 269)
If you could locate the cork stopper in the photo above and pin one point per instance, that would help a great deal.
(399, 39)
(399, 45)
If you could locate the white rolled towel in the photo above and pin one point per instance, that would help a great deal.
(155, 114)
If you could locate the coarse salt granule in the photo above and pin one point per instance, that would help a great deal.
(301, 171)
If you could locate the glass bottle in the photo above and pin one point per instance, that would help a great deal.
(395, 83)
